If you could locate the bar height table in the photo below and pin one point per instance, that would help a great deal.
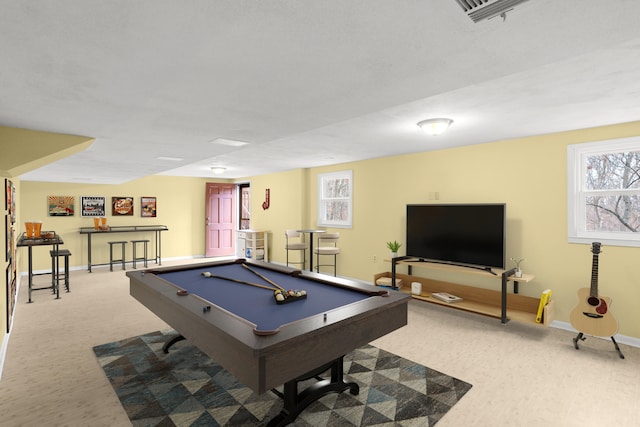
(29, 243)
(157, 229)
(310, 232)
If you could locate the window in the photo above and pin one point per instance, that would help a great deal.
(604, 192)
(245, 206)
(335, 203)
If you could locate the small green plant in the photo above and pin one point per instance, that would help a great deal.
(394, 246)
(517, 262)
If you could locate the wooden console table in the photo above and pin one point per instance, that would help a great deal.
(157, 229)
(499, 304)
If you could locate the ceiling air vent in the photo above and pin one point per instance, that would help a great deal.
(478, 10)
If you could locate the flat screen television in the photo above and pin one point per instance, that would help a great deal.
(470, 235)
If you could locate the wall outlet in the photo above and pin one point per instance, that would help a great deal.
(375, 258)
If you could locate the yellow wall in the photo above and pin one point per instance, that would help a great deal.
(527, 174)
(3, 257)
(180, 207)
(287, 209)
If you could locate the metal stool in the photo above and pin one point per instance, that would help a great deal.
(56, 276)
(328, 245)
(296, 245)
(111, 260)
(136, 258)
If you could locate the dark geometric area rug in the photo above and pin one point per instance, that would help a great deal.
(187, 388)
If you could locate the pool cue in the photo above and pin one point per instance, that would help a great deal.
(262, 277)
(215, 276)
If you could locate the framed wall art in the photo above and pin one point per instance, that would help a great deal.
(10, 199)
(7, 194)
(9, 302)
(148, 207)
(122, 206)
(8, 236)
(61, 205)
(93, 206)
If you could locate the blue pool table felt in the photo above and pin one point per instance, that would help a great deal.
(258, 305)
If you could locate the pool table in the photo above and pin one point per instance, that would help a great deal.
(265, 344)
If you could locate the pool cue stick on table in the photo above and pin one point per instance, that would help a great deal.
(266, 279)
(257, 285)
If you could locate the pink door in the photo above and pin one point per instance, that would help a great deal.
(220, 220)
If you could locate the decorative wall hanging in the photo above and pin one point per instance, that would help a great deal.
(267, 199)
(7, 194)
(148, 207)
(10, 199)
(122, 206)
(61, 205)
(93, 206)
(8, 236)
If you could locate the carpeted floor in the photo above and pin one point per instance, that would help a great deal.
(186, 388)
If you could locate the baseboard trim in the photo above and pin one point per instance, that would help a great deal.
(622, 339)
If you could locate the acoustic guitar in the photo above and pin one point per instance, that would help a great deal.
(592, 316)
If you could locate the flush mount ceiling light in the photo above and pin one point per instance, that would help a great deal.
(435, 126)
(170, 159)
(218, 170)
(229, 142)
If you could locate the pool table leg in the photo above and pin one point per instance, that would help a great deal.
(295, 402)
(172, 341)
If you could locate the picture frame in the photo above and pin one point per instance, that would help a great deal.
(13, 203)
(7, 194)
(93, 206)
(61, 205)
(148, 206)
(12, 290)
(9, 297)
(8, 236)
(122, 206)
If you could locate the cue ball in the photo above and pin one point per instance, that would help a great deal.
(206, 274)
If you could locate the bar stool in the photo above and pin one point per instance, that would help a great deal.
(111, 260)
(56, 276)
(136, 258)
(296, 245)
(328, 245)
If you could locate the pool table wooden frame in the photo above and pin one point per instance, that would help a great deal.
(265, 362)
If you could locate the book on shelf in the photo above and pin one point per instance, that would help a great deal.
(544, 300)
(446, 297)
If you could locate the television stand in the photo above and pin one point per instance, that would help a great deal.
(499, 304)
(477, 267)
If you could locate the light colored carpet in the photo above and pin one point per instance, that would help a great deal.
(522, 375)
(186, 388)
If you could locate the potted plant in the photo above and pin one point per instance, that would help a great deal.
(393, 247)
(517, 262)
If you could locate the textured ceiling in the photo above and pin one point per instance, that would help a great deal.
(305, 83)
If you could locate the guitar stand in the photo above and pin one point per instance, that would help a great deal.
(581, 337)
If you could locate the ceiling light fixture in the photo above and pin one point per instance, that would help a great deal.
(170, 159)
(435, 126)
(218, 170)
(229, 142)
